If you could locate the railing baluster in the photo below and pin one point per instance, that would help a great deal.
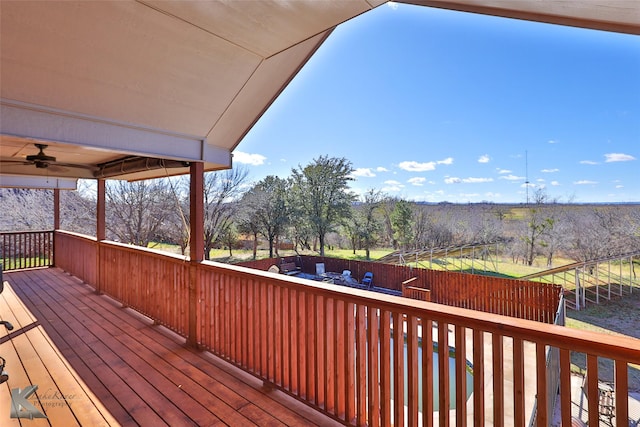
(541, 386)
(385, 368)
(331, 355)
(461, 376)
(341, 352)
(498, 380)
(373, 389)
(443, 373)
(361, 367)
(311, 349)
(478, 378)
(592, 390)
(621, 391)
(412, 366)
(320, 351)
(427, 372)
(565, 386)
(398, 369)
(350, 358)
(518, 382)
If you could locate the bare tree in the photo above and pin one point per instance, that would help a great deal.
(538, 222)
(364, 225)
(137, 211)
(266, 209)
(26, 210)
(78, 208)
(221, 191)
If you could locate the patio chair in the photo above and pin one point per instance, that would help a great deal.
(606, 400)
(367, 280)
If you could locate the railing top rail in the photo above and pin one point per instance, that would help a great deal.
(147, 251)
(558, 336)
(74, 234)
(25, 232)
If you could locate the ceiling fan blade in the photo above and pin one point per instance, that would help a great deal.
(74, 165)
(15, 162)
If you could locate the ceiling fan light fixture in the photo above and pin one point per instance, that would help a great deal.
(40, 157)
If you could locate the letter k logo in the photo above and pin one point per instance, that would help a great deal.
(21, 407)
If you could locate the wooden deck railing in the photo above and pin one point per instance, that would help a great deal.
(340, 350)
(26, 249)
(78, 254)
(410, 290)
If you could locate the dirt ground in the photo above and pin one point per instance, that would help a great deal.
(620, 315)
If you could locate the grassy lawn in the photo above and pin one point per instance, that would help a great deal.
(239, 255)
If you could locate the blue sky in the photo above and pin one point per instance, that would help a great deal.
(434, 105)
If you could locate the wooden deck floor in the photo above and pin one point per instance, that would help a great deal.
(96, 363)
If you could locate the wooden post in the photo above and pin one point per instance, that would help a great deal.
(100, 230)
(56, 208)
(56, 219)
(196, 246)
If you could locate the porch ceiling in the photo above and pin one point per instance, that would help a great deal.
(182, 80)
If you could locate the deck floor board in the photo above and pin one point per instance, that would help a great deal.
(129, 371)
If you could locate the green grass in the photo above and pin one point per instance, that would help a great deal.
(239, 255)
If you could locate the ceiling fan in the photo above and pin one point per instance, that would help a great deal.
(43, 161)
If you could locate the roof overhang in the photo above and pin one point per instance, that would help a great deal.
(181, 81)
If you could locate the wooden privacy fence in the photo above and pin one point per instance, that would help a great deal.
(358, 356)
(510, 297)
(26, 249)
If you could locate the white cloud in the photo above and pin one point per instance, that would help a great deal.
(503, 171)
(381, 169)
(484, 159)
(417, 181)
(363, 172)
(540, 180)
(248, 159)
(588, 162)
(619, 186)
(477, 180)
(413, 166)
(618, 157)
(512, 178)
(392, 186)
(555, 183)
(553, 141)
(550, 170)
(470, 180)
(392, 5)
(584, 182)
